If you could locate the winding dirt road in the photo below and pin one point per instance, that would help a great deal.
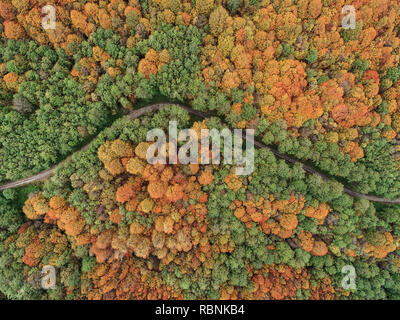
(157, 106)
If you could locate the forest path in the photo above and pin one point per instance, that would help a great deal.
(159, 105)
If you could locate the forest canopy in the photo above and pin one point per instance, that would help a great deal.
(116, 227)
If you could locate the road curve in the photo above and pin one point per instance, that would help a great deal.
(159, 105)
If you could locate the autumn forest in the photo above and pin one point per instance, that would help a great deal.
(317, 80)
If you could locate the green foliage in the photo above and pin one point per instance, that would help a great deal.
(233, 6)
(393, 73)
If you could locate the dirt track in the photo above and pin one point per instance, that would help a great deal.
(157, 106)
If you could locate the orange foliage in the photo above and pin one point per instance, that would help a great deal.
(278, 282)
(156, 189)
(206, 178)
(13, 30)
(78, 20)
(381, 250)
(174, 193)
(35, 206)
(318, 213)
(306, 240)
(125, 193)
(7, 11)
(289, 221)
(354, 151)
(319, 249)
